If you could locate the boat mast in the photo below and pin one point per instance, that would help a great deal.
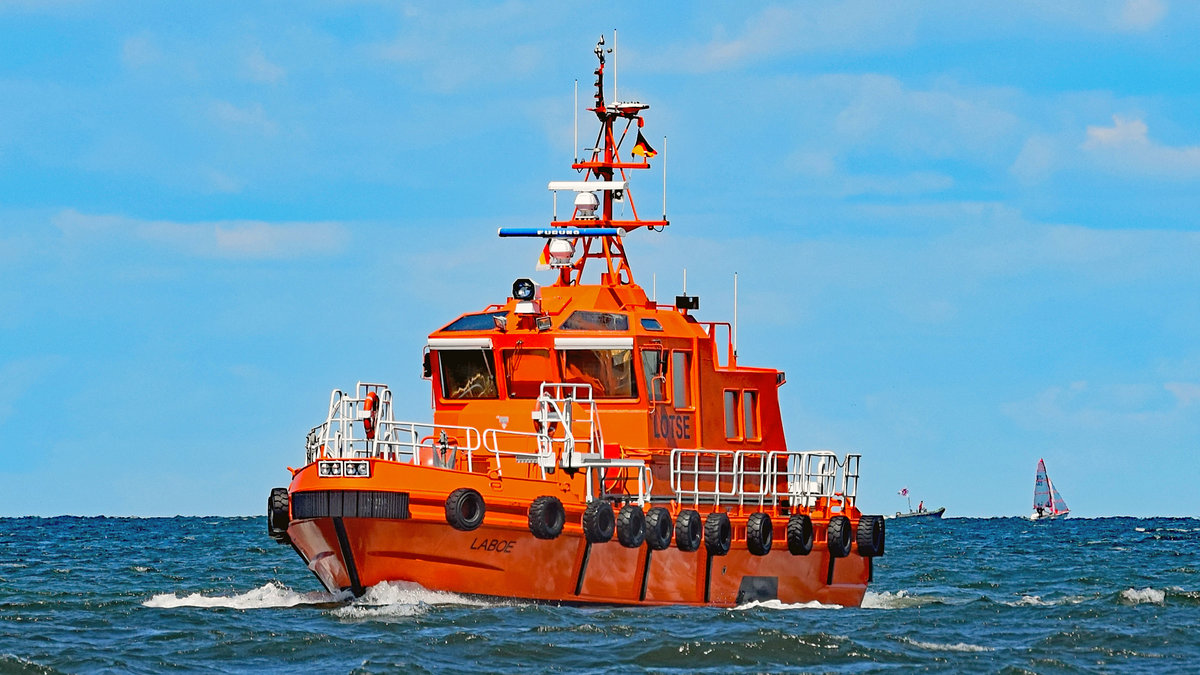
(603, 167)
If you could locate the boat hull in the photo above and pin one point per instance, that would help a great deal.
(1047, 516)
(356, 553)
(335, 527)
(936, 513)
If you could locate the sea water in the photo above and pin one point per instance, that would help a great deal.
(956, 595)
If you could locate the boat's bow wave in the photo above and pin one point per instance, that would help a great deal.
(898, 600)
(399, 599)
(268, 596)
(384, 599)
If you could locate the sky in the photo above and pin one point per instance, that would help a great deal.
(967, 231)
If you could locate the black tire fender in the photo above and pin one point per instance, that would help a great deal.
(800, 534)
(870, 536)
(599, 522)
(631, 526)
(718, 533)
(278, 515)
(759, 535)
(546, 517)
(688, 531)
(659, 528)
(465, 509)
(837, 537)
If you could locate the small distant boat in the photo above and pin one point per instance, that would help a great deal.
(1047, 503)
(920, 511)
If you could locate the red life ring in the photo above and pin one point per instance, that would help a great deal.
(371, 412)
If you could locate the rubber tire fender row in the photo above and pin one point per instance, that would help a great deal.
(870, 536)
(599, 522)
(465, 509)
(631, 526)
(718, 533)
(688, 531)
(837, 537)
(759, 535)
(546, 517)
(659, 529)
(800, 534)
(278, 515)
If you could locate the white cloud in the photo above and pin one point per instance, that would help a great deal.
(235, 239)
(941, 122)
(1087, 407)
(18, 378)
(1126, 148)
(1140, 15)
(914, 183)
(140, 51)
(259, 69)
(777, 31)
(252, 118)
(1186, 393)
(222, 182)
(1039, 157)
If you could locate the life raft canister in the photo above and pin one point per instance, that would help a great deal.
(370, 414)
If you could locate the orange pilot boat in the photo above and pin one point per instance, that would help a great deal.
(588, 445)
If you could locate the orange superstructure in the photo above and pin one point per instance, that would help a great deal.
(588, 445)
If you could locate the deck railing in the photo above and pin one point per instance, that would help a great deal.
(762, 477)
(568, 436)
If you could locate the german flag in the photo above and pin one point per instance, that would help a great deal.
(643, 148)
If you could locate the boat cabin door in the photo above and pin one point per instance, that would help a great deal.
(669, 396)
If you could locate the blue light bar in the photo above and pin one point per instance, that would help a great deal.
(560, 232)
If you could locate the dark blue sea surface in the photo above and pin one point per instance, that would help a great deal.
(957, 595)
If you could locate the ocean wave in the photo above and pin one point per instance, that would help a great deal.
(775, 604)
(268, 596)
(11, 663)
(898, 600)
(943, 647)
(1136, 596)
(1038, 601)
(397, 599)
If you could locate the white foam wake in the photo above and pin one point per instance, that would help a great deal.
(1038, 601)
(1136, 596)
(898, 600)
(269, 595)
(400, 599)
(944, 647)
(775, 604)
